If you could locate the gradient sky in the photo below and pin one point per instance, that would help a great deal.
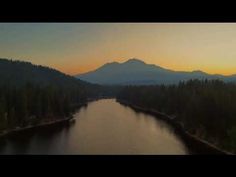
(80, 47)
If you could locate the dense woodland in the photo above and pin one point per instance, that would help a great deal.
(31, 94)
(32, 104)
(206, 108)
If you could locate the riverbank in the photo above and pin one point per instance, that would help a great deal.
(52, 122)
(42, 124)
(46, 123)
(198, 145)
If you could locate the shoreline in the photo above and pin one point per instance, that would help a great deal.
(42, 124)
(46, 123)
(192, 141)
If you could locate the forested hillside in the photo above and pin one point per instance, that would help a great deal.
(206, 108)
(31, 94)
(18, 73)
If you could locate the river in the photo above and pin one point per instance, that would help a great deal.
(102, 127)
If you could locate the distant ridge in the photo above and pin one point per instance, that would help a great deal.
(136, 72)
(18, 73)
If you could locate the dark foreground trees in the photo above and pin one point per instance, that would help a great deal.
(31, 94)
(206, 108)
(33, 104)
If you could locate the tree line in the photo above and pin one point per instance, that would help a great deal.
(205, 108)
(32, 94)
(32, 104)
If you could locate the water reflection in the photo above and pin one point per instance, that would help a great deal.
(102, 127)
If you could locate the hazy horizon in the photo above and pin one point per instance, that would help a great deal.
(75, 48)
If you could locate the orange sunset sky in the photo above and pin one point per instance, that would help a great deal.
(75, 48)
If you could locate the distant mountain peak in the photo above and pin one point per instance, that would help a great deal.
(107, 65)
(198, 71)
(136, 72)
(111, 63)
(135, 60)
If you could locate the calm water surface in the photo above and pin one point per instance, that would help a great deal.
(102, 127)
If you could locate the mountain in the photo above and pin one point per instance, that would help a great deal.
(137, 72)
(18, 73)
(31, 95)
